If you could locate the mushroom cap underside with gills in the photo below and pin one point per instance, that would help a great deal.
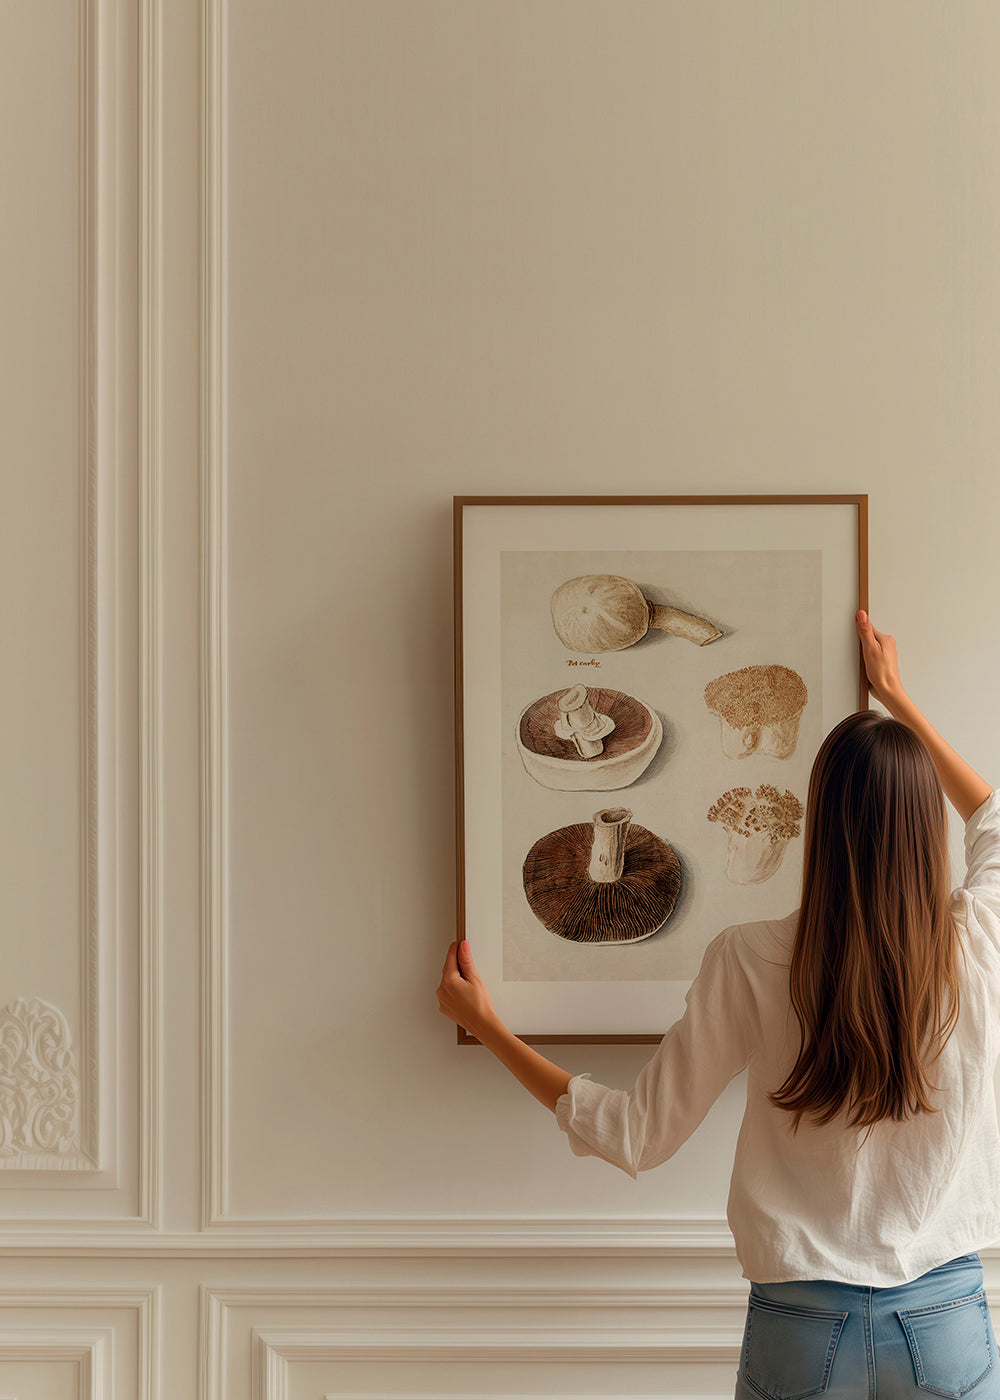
(569, 903)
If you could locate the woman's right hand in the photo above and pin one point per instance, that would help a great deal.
(962, 785)
(881, 666)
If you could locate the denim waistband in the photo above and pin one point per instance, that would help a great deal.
(963, 1261)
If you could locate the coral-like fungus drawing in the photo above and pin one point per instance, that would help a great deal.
(604, 612)
(39, 1086)
(587, 739)
(760, 825)
(759, 708)
(602, 882)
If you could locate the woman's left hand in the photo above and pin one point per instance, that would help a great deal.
(463, 998)
(462, 994)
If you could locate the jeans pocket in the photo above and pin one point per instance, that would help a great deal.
(788, 1351)
(950, 1345)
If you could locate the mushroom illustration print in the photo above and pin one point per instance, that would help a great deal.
(604, 612)
(759, 708)
(606, 881)
(760, 825)
(587, 739)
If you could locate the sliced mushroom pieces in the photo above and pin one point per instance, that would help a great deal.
(604, 612)
(581, 724)
(606, 881)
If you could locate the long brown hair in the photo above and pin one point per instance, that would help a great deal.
(874, 972)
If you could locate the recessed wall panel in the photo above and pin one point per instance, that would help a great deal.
(45, 704)
(69, 1108)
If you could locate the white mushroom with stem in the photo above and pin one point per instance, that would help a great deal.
(760, 825)
(604, 612)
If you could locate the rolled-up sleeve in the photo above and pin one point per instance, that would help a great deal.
(981, 886)
(641, 1127)
(982, 850)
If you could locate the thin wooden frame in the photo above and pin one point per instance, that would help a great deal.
(858, 504)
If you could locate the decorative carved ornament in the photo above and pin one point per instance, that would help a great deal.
(39, 1084)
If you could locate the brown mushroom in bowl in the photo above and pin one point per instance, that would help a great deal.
(587, 738)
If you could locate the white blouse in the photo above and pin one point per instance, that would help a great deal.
(822, 1203)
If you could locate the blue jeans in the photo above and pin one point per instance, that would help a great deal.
(929, 1337)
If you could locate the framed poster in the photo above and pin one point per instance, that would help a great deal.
(642, 684)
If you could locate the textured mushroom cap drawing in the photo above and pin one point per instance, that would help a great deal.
(757, 695)
(599, 612)
(605, 612)
(759, 709)
(571, 904)
(760, 825)
(625, 752)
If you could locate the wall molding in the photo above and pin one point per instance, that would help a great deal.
(492, 1236)
(151, 592)
(275, 1353)
(424, 1238)
(95, 396)
(105, 303)
(92, 1349)
(95, 414)
(214, 652)
(40, 1093)
(95, 1146)
(389, 1239)
(477, 1324)
(94, 1346)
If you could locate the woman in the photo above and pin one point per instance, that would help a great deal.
(867, 1170)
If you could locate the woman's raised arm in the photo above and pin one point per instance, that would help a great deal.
(963, 786)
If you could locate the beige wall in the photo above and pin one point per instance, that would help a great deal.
(379, 254)
(551, 248)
